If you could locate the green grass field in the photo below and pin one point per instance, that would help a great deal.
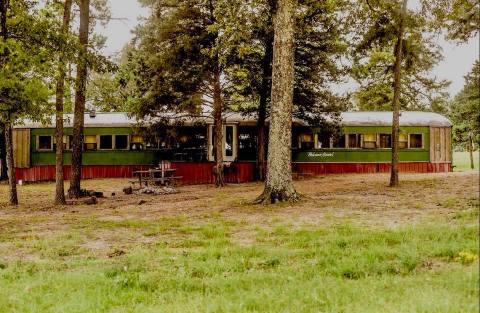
(351, 245)
(461, 161)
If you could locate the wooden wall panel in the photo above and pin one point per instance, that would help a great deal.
(448, 144)
(440, 144)
(432, 144)
(21, 147)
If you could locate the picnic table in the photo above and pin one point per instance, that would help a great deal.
(162, 176)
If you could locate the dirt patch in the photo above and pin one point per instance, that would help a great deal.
(120, 221)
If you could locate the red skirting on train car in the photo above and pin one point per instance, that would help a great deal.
(202, 173)
(192, 173)
(47, 172)
(343, 168)
(238, 172)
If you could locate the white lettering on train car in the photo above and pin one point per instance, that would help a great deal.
(320, 154)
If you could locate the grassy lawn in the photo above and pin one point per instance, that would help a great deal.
(351, 245)
(461, 161)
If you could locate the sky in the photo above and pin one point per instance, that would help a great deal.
(458, 59)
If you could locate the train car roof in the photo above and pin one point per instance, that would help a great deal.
(364, 118)
(407, 118)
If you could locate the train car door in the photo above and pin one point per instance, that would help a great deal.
(21, 147)
(229, 142)
(440, 144)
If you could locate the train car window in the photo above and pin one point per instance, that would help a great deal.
(229, 141)
(247, 143)
(90, 143)
(121, 142)
(306, 141)
(69, 142)
(64, 139)
(137, 143)
(106, 142)
(416, 141)
(402, 141)
(323, 141)
(354, 140)
(338, 141)
(45, 143)
(370, 141)
(385, 141)
(185, 144)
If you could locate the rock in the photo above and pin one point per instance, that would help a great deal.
(113, 194)
(96, 194)
(140, 202)
(116, 253)
(156, 191)
(128, 190)
(90, 201)
(86, 201)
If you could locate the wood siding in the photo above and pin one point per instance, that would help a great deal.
(440, 144)
(21, 147)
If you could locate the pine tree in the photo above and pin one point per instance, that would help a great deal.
(460, 18)
(319, 46)
(59, 100)
(397, 87)
(374, 27)
(464, 113)
(180, 64)
(79, 109)
(26, 46)
(278, 184)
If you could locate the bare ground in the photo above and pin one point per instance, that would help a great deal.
(119, 221)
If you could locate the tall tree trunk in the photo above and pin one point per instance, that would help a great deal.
(218, 130)
(470, 149)
(12, 181)
(396, 97)
(79, 107)
(262, 108)
(59, 188)
(3, 154)
(279, 184)
(3, 18)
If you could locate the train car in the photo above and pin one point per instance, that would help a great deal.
(115, 145)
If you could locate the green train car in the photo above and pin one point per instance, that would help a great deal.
(115, 145)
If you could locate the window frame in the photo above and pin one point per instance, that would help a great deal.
(317, 141)
(69, 142)
(244, 153)
(379, 145)
(358, 139)
(99, 143)
(114, 143)
(228, 151)
(409, 141)
(405, 141)
(375, 141)
(132, 142)
(64, 141)
(84, 143)
(38, 143)
(301, 142)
